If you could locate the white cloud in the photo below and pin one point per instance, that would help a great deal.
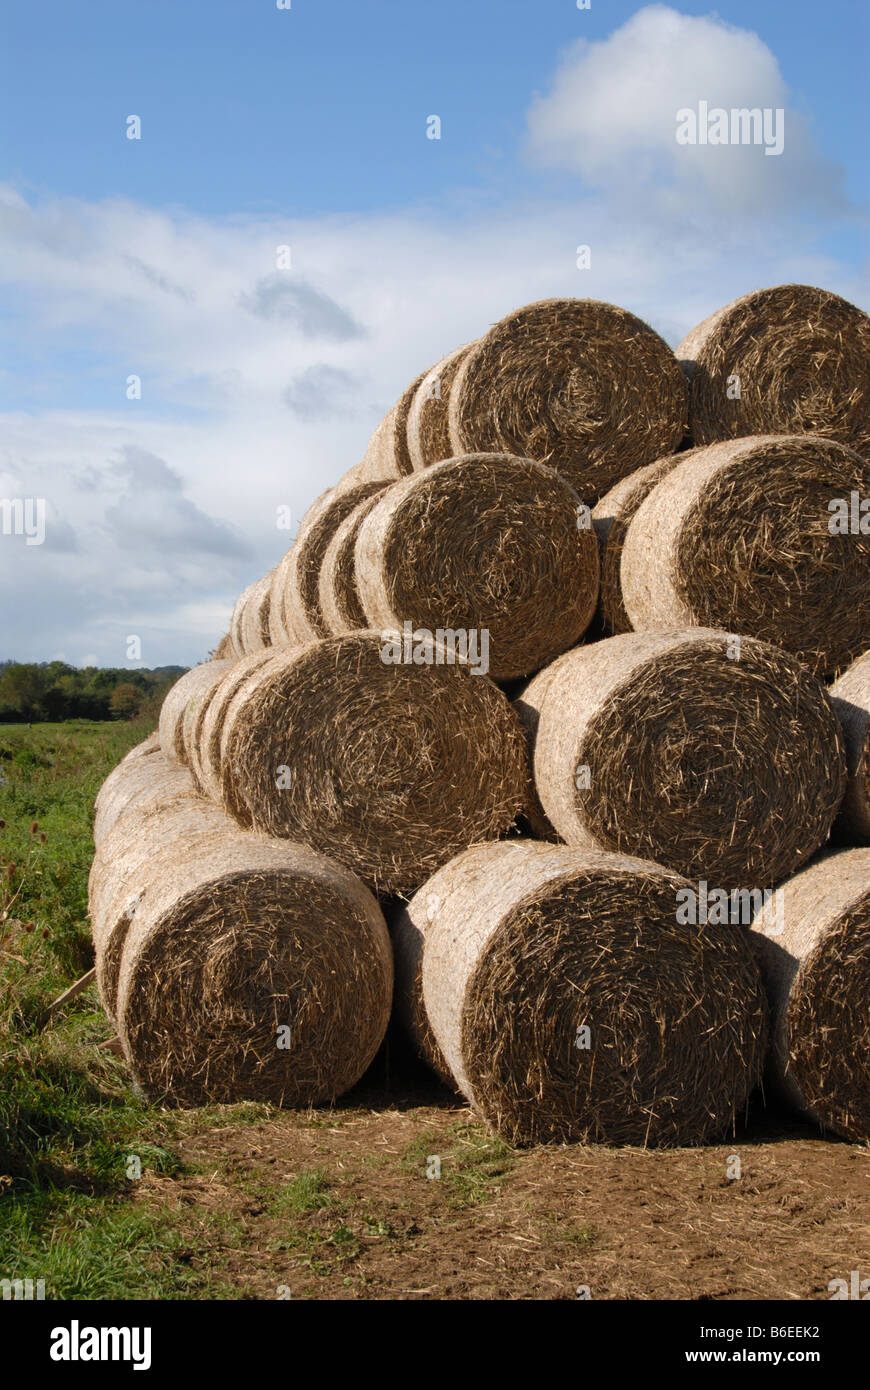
(261, 386)
(611, 116)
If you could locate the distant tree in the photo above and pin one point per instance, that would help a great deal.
(125, 700)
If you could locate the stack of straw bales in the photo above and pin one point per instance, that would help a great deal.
(546, 674)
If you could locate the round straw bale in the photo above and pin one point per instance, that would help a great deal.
(407, 939)
(252, 971)
(389, 766)
(787, 360)
(295, 586)
(611, 517)
(815, 959)
(249, 631)
(482, 543)
(187, 692)
(583, 386)
(337, 587)
(172, 817)
(428, 429)
(379, 462)
(571, 1004)
(208, 732)
(528, 702)
(226, 650)
(134, 781)
(851, 699)
(739, 536)
(720, 757)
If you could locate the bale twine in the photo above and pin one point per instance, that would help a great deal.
(134, 781)
(738, 536)
(252, 971)
(484, 543)
(407, 939)
(583, 386)
(570, 1003)
(187, 692)
(817, 972)
(611, 518)
(209, 730)
(295, 586)
(337, 587)
(724, 762)
(390, 767)
(851, 700)
(171, 817)
(428, 428)
(787, 360)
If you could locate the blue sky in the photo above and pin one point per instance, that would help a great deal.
(307, 127)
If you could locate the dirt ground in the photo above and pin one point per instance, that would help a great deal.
(348, 1203)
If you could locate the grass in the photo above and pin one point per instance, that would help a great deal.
(468, 1168)
(69, 1123)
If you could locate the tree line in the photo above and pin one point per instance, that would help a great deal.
(33, 692)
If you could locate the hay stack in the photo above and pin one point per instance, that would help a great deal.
(407, 938)
(661, 745)
(379, 463)
(337, 587)
(390, 768)
(207, 734)
(225, 649)
(134, 781)
(234, 942)
(526, 945)
(583, 386)
(738, 536)
(187, 694)
(799, 355)
(249, 631)
(428, 429)
(295, 615)
(484, 542)
(817, 972)
(851, 699)
(611, 518)
(170, 817)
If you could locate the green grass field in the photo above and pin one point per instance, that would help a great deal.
(69, 1121)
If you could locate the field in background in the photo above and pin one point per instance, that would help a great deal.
(396, 1192)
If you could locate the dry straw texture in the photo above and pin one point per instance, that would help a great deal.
(800, 355)
(817, 972)
(295, 614)
(583, 386)
(526, 945)
(134, 781)
(484, 542)
(738, 536)
(407, 939)
(379, 463)
(208, 733)
(611, 518)
(249, 631)
(337, 587)
(389, 768)
(233, 943)
(186, 695)
(851, 698)
(729, 768)
(428, 429)
(171, 817)
(226, 649)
